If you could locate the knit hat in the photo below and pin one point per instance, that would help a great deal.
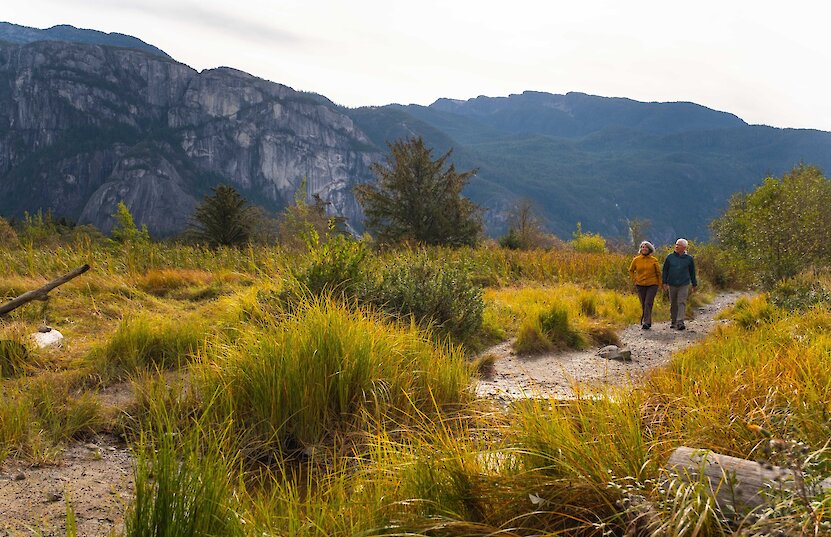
(648, 245)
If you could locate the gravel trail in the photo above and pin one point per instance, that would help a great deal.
(554, 375)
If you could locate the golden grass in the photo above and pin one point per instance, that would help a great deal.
(354, 424)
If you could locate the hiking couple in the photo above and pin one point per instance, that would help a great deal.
(677, 275)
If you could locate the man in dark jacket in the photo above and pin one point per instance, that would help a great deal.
(678, 276)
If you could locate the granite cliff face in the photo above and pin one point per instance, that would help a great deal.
(83, 127)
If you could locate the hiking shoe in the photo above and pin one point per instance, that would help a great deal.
(680, 326)
(645, 327)
(672, 326)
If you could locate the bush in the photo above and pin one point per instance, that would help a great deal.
(431, 292)
(807, 289)
(335, 266)
(588, 243)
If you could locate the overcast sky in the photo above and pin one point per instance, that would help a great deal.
(767, 62)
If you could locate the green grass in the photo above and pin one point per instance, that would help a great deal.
(184, 486)
(296, 381)
(248, 419)
(145, 342)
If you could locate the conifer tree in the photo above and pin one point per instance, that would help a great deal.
(224, 218)
(419, 199)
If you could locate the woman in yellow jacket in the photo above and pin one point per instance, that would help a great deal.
(646, 274)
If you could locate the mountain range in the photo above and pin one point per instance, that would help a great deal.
(88, 119)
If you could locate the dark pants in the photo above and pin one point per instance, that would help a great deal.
(647, 295)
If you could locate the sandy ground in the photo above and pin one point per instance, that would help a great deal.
(95, 476)
(554, 375)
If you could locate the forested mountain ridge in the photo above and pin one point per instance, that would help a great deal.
(83, 126)
(605, 161)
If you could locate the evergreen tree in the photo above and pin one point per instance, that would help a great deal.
(419, 199)
(224, 218)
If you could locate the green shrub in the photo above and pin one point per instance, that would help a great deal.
(588, 243)
(801, 292)
(335, 266)
(511, 240)
(434, 293)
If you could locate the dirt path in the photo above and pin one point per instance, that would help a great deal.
(96, 475)
(554, 375)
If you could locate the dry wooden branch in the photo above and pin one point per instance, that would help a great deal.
(41, 293)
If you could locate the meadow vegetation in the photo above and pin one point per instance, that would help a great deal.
(285, 391)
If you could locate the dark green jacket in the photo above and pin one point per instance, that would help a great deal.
(679, 270)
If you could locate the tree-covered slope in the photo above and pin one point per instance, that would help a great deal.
(603, 161)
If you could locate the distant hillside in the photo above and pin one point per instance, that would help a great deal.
(97, 118)
(14, 33)
(602, 161)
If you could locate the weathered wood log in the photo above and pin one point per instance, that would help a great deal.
(41, 293)
(736, 482)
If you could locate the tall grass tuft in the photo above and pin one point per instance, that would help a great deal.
(184, 486)
(551, 329)
(59, 412)
(146, 342)
(297, 382)
(15, 420)
(590, 439)
(14, 356)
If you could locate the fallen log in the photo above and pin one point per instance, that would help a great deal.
(41, 293)
(739, 483)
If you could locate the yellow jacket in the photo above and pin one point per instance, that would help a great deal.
(645, 270)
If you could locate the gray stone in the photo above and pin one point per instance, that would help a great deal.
(613, 352)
